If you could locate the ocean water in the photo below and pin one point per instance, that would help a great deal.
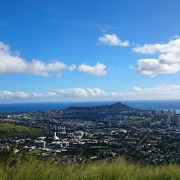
(25, 107)
(33, 107)
(150, 105)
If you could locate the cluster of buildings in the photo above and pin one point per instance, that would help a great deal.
(76, 135)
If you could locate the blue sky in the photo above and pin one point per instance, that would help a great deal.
(66, 50)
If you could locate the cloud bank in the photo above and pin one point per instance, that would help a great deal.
(68, 94)
(12, 63)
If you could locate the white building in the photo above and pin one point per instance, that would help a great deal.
(55, 137)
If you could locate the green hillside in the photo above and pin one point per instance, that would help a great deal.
(102, 170)
(12, 130)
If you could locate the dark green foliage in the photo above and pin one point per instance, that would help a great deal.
(12, 130)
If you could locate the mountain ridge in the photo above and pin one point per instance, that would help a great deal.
(113, 107)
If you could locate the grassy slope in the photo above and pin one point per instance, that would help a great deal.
(12, 130)
(118, 170)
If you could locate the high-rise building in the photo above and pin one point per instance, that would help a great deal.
(178, 121)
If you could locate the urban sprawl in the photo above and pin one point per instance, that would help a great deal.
(81, 134)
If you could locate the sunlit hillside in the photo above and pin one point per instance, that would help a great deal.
(119, 170)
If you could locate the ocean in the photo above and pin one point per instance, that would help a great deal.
(153, 105)
(32, 107)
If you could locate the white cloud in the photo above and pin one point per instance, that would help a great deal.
(137, 88)
(166, 62)
(6, 94)
(156, 92)
(38, 67)
(10, 62)
(13, 63)
(112, 40)
(38, 95)
(9, 95)
(71, 93)
(161, 92)
(98, 69)
(21, 94)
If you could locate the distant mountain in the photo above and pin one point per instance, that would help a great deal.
(110, 108)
